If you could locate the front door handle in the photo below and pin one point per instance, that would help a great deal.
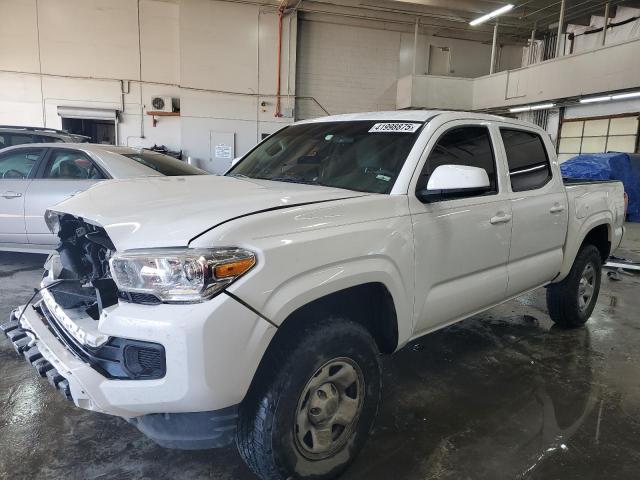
(557, 208)
(500, 218)
(11, 195)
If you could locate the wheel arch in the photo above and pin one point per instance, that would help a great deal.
(597, 232)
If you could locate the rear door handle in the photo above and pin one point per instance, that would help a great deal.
(556, 209)
(11, 195)
(500, 218)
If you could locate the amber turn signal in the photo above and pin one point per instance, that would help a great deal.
(234, 269)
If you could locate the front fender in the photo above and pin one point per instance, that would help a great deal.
(315, 284)
(307, 252)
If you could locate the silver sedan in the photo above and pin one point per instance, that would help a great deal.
(35, 177)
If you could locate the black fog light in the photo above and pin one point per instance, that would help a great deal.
(145, 362)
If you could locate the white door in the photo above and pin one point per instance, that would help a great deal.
(461, 241)
(67, 172)
(439, 60)
(540, 214)
(16, 169)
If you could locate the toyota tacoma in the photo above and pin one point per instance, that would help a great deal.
(254, 307)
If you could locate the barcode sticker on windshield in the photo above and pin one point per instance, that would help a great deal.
(395, 127)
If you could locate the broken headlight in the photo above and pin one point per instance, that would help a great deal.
(52, 219)
(180, 275)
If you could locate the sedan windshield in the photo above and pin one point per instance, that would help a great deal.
(361, 155)
(164, 164)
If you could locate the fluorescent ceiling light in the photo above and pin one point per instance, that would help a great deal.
(596, 99)
(526, 108)
(542, 106)
(490, 15)
(625, 95)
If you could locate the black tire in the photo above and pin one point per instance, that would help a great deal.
(267, 424)
(563, 299)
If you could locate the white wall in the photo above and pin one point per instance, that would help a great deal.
(433, 91)
(611, 68)
(218, 58)
(468, 59)
(228, 69)
(348, 66)
(602, 109)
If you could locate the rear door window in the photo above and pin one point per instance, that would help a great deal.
(18, 164)
(71, 165)
(529, 167)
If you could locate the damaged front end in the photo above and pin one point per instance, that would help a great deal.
(76, 289)
(81, 261)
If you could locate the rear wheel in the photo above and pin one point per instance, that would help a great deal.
(310, 418)
(572, 300)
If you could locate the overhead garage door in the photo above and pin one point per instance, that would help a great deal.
(345, 69)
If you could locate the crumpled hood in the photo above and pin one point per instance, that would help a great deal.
(171, 211)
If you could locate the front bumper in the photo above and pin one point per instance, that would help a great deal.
(212, 352)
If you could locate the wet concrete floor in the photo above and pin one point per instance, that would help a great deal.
(502, 395)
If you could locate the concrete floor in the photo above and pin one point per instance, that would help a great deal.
(502, 395)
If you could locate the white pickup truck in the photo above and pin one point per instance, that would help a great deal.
(254, 306)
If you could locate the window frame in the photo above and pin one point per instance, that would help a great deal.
(459, 195)
(45, 162)
(506, 157)
(607, 137)
(36, 167)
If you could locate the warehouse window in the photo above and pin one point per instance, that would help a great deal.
(598, 135)
(527, 158)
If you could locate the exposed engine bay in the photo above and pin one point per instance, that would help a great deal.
(82, 261)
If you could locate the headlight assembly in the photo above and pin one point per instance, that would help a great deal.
(180, 275)
(52, 219)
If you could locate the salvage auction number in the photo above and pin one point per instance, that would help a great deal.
(395, 127)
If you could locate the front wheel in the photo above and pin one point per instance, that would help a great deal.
(310, 419)
(571, 301)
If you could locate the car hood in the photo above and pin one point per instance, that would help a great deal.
(171, 211)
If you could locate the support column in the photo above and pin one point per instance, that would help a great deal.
(415, 44)
(606, 23)
(560, 24)
(533, 39)
(493, 48)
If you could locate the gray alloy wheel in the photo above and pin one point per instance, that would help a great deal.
(328, 408)
(586, 286)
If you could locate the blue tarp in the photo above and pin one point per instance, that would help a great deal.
(609, 166)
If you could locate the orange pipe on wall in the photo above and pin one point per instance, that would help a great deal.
(281, 9)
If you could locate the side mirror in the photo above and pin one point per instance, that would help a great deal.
(454, 180)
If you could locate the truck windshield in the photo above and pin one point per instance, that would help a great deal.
(357, 155)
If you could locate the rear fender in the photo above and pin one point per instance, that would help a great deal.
(576, 239)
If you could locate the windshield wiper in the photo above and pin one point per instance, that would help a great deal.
(237, 175)
(294, 180)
